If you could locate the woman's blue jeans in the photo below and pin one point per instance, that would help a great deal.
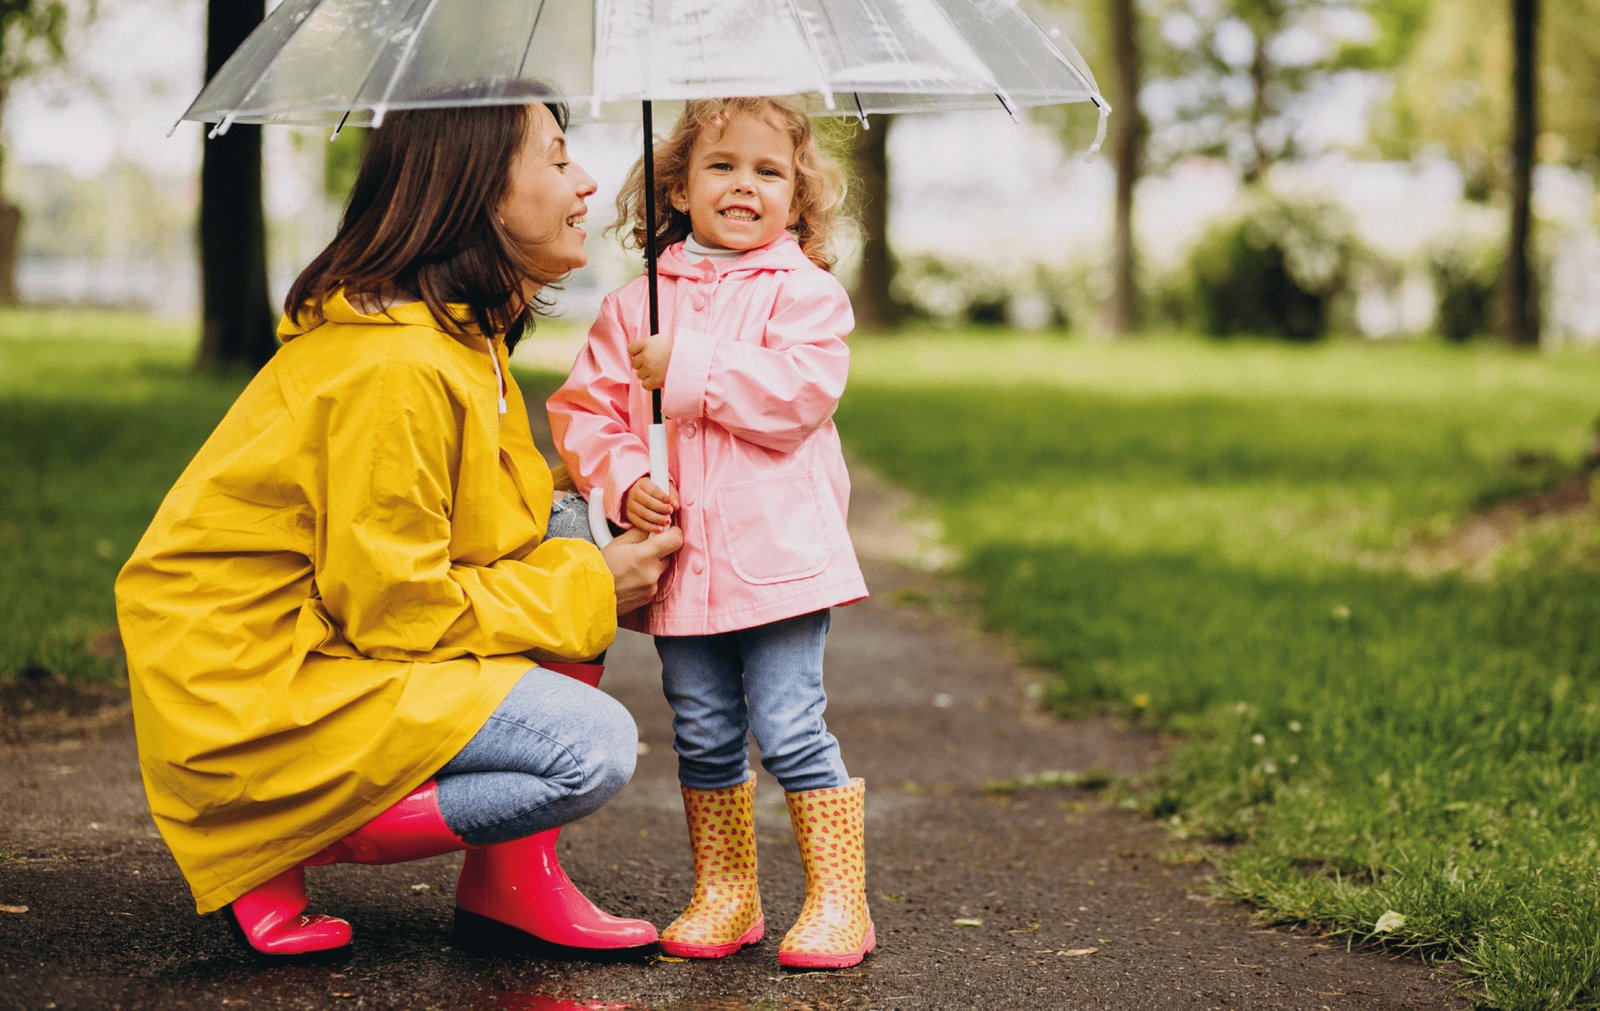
(554, 751)
(765, 681)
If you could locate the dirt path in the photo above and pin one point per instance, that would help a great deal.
(1074, 905)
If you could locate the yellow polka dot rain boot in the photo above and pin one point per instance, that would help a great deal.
(835, 929)
(725, 913)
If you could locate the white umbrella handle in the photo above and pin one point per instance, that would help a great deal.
(599, 525)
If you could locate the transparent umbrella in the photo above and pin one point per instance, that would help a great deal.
(333, 62)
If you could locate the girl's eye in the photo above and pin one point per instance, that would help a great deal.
(721, 166)
(771, 172)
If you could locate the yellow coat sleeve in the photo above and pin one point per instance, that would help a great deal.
(403, 455)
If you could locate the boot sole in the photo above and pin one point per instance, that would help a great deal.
(828, 959)
(474, 931)
(683, 950)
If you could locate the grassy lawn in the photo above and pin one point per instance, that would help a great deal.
(1214, 539)
(100, 413)
(1217, 539)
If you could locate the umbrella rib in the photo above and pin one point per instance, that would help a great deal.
(522, 64)
(400, 65)
(816, 53)
(219, 130)
(1087, 82)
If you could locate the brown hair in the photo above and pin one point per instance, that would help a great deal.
(818, 190)
(423, 220)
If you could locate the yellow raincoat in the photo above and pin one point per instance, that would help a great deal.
(340, 589)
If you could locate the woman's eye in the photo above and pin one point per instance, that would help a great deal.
(562, 165)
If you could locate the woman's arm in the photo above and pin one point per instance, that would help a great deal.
(388, 491)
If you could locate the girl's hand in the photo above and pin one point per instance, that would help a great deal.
(651, 356)
(647, 507)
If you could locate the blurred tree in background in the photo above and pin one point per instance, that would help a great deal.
(32, 34)
(236, 311)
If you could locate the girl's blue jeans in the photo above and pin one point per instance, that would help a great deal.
(553, 752)
(765, 681)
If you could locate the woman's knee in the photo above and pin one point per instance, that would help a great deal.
(609, 752)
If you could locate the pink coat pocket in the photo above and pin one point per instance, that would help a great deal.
(774, 528)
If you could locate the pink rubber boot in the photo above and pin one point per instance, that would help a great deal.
(520, 884)
(270, 918)
(413, 829)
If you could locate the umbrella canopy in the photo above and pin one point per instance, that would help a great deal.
(331, 62)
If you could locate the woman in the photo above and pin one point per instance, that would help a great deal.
(333, 622)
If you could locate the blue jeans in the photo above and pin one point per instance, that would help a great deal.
(553, 752)
(765, 680)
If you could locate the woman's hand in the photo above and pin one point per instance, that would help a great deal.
(647, 507)
(637, 561)
(650, 357)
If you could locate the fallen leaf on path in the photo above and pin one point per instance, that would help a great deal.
(1390, 920)
(969, 922)
(1030, 928)
(1075, 952)
(13, 909)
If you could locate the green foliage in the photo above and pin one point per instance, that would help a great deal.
(344, 157)
(1275, 266)
(1222, 540)
(1225, 84)
(32, 33)
(1453, 89)
(1465, 268)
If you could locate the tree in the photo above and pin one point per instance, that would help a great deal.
(1230, 74)
(237, 317)
(1128, 129)
(32, 34)
(875, 305)
(1521, 322)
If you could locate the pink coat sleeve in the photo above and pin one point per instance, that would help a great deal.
(591, 419)
(776, 391)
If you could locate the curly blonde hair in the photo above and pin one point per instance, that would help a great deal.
(819, 189)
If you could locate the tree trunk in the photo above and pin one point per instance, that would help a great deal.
(1521, 301)
(874, 305)
(237, 318)
(1127, 139)
(10, 231)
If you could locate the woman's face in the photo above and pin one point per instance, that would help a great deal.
(544, 206)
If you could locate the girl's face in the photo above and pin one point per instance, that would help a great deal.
(740, 190)
(544, 206)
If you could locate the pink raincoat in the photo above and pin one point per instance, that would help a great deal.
(759, 362)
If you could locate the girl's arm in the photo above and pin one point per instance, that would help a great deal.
(385, 501)
(590, 416)
(773, 394)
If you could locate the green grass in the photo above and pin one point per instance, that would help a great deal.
(1208, 538)
(100, 412)
(1213, 539)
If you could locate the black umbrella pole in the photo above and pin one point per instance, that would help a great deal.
(650, 242)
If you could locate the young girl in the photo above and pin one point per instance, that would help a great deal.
(751, 361)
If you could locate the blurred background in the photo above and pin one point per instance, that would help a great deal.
(1296, 168)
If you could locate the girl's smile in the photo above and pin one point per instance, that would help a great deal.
(740, 193)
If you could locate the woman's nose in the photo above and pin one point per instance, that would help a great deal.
(586, 184)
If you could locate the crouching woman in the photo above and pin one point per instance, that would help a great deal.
(346, 629)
